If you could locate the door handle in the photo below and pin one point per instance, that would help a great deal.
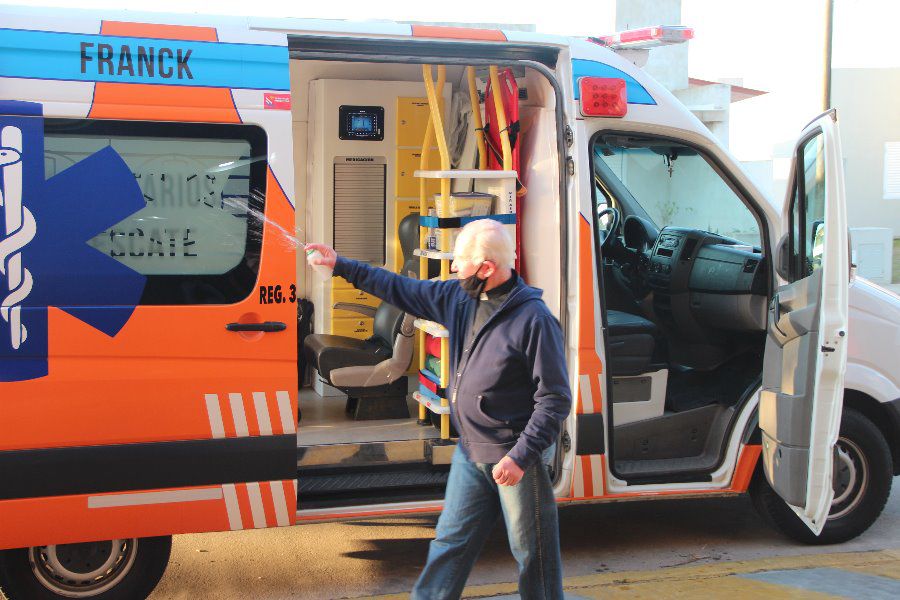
(268, 326)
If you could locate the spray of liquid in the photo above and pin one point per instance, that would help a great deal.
(291, 240)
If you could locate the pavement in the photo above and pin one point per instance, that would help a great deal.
(862, 575)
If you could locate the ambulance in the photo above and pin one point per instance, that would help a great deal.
(160, 174)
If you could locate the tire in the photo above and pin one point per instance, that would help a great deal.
(863, 483)
(110, 570)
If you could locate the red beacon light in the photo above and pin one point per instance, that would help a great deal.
(603, 97)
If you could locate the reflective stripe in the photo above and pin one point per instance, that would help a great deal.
(256, 505)
(288, 422)
(232, 507)
(262, 413)
(587, 398)
(240, 417)
(144, 498)
(215, 416)
(279, 499)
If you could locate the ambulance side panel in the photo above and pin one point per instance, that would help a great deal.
(134, 400)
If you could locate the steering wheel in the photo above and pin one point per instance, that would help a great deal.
(606, 242)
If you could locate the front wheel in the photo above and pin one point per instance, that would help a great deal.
(111, 570)
(862, 483)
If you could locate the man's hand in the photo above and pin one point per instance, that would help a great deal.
(507, 472)
(328, 255)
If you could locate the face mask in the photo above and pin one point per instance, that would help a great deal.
(472, 285)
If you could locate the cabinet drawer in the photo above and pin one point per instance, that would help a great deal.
(354, 296)
(355, 328)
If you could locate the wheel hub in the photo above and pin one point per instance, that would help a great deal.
(82, 570)
(850, 479)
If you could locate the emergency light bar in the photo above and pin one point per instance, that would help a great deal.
(647, 37)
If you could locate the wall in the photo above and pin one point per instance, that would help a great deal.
(866, 101)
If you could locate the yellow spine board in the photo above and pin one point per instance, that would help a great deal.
(477, 122)
(501, 120)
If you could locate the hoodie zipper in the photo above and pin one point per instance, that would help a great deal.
(475, 338)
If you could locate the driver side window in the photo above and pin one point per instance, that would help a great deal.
(808, 209)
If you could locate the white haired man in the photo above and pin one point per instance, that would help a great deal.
(509, 394)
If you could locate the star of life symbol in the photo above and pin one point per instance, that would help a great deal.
(45, 258)
(19, 231)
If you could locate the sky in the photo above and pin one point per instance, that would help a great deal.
(774, 45)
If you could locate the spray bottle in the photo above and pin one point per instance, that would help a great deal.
(323, 271)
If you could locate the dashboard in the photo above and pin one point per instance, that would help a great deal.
(704, 279)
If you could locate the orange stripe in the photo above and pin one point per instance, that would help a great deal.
(67, 520)
(250, 411)
(265, 489)
(163, 32)
(743, 473)
(274, 414)
(163, 103)
(588, 476)
(243, 497)
(227, 418)
(458, 33)
(588, 359)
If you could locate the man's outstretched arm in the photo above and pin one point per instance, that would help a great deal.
(432, 300)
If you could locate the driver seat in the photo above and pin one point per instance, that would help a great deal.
(631, 344)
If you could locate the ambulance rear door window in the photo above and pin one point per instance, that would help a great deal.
(198, 237)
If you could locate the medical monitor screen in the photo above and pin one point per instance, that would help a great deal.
(361, 123)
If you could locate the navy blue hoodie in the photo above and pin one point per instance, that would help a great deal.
(509, 389)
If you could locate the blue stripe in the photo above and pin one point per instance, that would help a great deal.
(429, 394)
(506, 219)
(58, 56)
(24, 109)
(637, 94)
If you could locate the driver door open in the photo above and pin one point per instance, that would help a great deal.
(805, 356)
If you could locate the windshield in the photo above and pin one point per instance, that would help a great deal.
(676, 186)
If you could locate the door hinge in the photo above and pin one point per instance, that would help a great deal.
(570, 137)
(566, 441)
(570, 166)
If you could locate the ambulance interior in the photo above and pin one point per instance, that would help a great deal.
(358, 130)
(685, 287)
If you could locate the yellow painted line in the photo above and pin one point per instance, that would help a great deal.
(714, 579)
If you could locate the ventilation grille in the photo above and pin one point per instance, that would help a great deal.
(359, 200)
(687, 253)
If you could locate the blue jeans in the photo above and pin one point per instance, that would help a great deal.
(472, 506)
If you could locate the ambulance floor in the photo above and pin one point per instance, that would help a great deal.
(324, 421)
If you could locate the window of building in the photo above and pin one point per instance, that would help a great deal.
(892, 171)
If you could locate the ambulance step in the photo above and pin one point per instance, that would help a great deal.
(347, 487)
(361, 454)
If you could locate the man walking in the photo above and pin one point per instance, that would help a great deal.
(509, 394)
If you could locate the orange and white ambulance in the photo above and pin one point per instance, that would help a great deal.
(160, 173)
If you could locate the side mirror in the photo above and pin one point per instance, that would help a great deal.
(783, 258)
(818, 245)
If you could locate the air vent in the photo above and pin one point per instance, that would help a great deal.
(359, 195)
(750, 265)
(687, 253)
